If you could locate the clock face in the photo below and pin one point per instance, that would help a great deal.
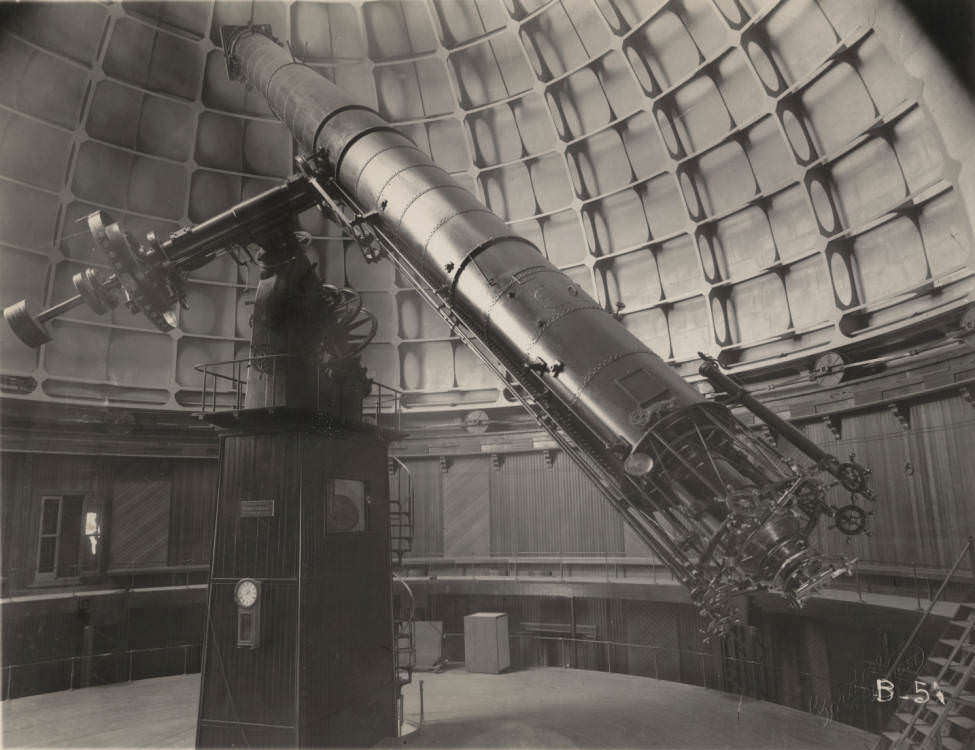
(245, 593)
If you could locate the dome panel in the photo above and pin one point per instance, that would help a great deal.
(490, 71)
(33, 152)
(793, 224)
(361, 274)
(616, 222)
(679, 271)
(101, 174)
(838, 106)
(28, 217)
(70, 29)
(447, 145)
(744, 243)
(413, 90)
(868, 179)
(396, 29)
(919, 154)
(39, 84)
(427, 366)
(563, 242)
(810, 294)
(220, 142)
(157, 188)
(324, 31)
(601, 164)
(631, 280)
(769, 155)
(78, 351)
(650, 326)
(760, 309)
(136, 358)
(735, 80)
(801, 36)
(699, 115)
(380, 361)
(172, 68)
(943, 229)
(890, 259)
(690, 328)
(114, 114)
(382, 306)
(417, 320)
(723, 179)
(661, 205)
(470, 372)
(189, 16)
(464, 20)
(212, 311)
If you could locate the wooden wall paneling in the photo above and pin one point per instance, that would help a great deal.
(428, 506)
(633, 546)
(267, 701)
(262, 547)
(589, 524)
(191, 521)
(652, 624)
(525, 517)
(18, 549)
(881, 444)
(941, 450)
(697, 662)
(141, 496)
(467, 507)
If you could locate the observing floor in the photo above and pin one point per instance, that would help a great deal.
(539, 708)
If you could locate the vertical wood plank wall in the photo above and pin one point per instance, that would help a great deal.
(158, 511)
(924, 478)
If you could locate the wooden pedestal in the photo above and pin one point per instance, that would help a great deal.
(305, 515)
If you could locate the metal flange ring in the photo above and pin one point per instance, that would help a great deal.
(95, 291)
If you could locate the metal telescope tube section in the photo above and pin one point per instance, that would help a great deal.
(537, 319)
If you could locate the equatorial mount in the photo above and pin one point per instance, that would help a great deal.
(150, 276)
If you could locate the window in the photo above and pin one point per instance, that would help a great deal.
(69, 538)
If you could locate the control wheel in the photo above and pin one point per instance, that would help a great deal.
(851, 519)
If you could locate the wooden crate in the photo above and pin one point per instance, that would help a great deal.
(486, 642)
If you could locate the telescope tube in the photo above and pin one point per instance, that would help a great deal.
(721, 508)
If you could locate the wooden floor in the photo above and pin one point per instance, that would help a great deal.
(539, 708)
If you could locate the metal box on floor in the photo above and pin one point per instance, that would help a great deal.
(486, 642)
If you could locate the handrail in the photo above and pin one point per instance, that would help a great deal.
(943, 715)
(968, 548)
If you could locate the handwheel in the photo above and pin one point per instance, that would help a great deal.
(851, 520)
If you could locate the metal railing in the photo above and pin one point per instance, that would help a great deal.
(225, 388)
(967, 551)
(383, 405)
(76, 666)
(232, 373)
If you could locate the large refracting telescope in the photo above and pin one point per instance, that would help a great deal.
(720, 507)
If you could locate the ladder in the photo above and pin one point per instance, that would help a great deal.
(404, 636)
(400, 510)
(933, 725)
